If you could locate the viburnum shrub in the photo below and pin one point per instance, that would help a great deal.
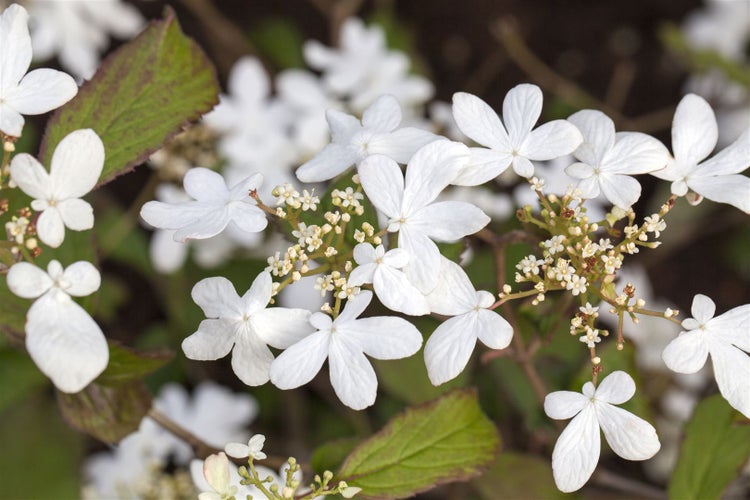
(334, 225)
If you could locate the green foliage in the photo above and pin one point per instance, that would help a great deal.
(446, 440)
(143, 94)
(332, 454)
(18, 377)
(126, 365)
(715, 448)
(518, 475)
(280, 41)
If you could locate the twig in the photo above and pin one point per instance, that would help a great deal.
(336, 11)
(620, 84)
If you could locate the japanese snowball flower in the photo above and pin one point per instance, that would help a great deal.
(63, 340)
(694, 137)
(344, 341)
(38, 92)
(577, 449)
(606, 159)
(724, 337)
(515, 143)
(74, 171)
(217, 474)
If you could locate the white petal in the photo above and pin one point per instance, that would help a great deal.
(521, 109)
(396, 292)
(383, 115)
(83, 277)
(687, 353)
(218, 298)
(167, 255)
(732, 373)
(364, 253)
(362, 274)
(31, 177)
(430, 171)
(15, 46)
(616, 388)
(172, 216)
(730, 189)
(598, 132)
(352, 376)
(426, 258)
(733, 327)
(76, 214)
(248, 80)
(383, 183)
(11, 121)
(397, 257)
(483, 165)
(629, 436)
(522, 166)
(213, 340)
(300, 363)
(580, 170)
(401, 144)
(280, 327)
(343, 126)
(576, 452)
(454, 293)
(65, 343)
(623, 191)
(694, 130)
(28, 281)
(76, 164)
(478, 121)
(237, 450)
(492, 329)
(635, 153)
(449, 348)
(551, 140)
(251, 358)
(448, 220)
(247, 217)
(562, 405)
(205, 185)
(703, 308)
(50, 227)
(383, 337)
(354, 307)
(216, 472)
(42, 90)
(330, 162)
(212, 222)
(589, 187)
(731, 160)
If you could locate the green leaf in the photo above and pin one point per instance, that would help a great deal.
(715, 448)
(12, 312)
(280, 40)
(517, 475)
(332, 454)
(142, 95)
(126, 365)
(446, 440)
(18, 376)
(106, 413)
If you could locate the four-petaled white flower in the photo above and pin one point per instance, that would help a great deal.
(408, 205)
(694, 137)
(515, 143)
(608, 159)
(253, 449)
(344, 342)
(383, 270)
(63, 340)
(449, 348)
(75, 168)
(577, 449)
(724, 337)
(214, 207)
(352, 141)
(37, 92)
(244, 326)
(217, 474)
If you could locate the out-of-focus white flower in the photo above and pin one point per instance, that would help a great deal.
(79, 31)
(253, 449)
(344, 341)
(75, 168)
(694, 136)
(63, 340)
(383, 270)
(517, 145)
(216, 472)
(35, 93)
(577, 449)
(214, 207)
(244, 326)
(450, 346)
(408, 205)
(352, 141)
(197, 468)
(724, 337)
(608, 159)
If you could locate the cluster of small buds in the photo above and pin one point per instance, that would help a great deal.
(348, 199)
(529, 265)
(554, 245)
(287, 195)
(22, 232)
(337, 283)
(311, 237)
(293, 261)
(612, 262)
(654, 224)
(367, 234)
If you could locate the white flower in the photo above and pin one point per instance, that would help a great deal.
(408, 205)
(78, 31)
(724, 337)
(352, 141)
(217, 474)
(694, 137)
(253, 448)
(383, 270)
(450, 346)
(75, 168)
(608, 159)
(577, 449)
(344, 342)
(244, 326)
(214, 207)
(63, 340)
(38, 92)
(519, 143)
(241, 491)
